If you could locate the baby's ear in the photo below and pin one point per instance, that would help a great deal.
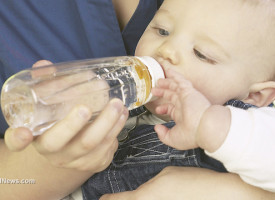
(261, 94)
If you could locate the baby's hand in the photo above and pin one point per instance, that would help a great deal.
(186, 108)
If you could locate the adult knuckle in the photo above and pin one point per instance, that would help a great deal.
(70, 126)
(57, 163)
(87, 145)
(84, 168)
(111, 141)
(104, 163)
(115, 145)
(47, 146)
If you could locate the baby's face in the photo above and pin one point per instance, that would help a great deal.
(221, 46)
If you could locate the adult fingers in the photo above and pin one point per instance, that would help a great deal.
(112, 135)
(42, 71)
(41, 63)
(102, 131)
(105, 123)
(54, 139)
(96, 160)
(18, 139)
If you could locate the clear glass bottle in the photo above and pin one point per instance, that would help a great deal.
(39, 97)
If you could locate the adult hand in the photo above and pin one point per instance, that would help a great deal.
(180, 183)
(19, 138)
(73, 142)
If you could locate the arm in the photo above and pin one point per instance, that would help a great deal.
(249, 146)
(61, 165)
(195, 117)
(64, 156)
(183, 183)
(242, 140)
(29, 164)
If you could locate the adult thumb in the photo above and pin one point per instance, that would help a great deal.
(18, 139)
(119, 196)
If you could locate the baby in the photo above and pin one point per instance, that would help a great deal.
(212, 52)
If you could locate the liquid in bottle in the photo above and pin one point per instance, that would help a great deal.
(38, 98)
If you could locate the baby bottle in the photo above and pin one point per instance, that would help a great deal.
(37, 98)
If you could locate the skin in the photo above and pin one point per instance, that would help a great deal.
(67, 159)
(192, 93)
(188, 38)
(189, 42)
(193, 184)
(51, 187)
(124, 11)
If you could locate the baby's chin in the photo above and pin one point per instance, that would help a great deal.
(151, 106)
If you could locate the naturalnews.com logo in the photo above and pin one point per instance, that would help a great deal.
(16, 181)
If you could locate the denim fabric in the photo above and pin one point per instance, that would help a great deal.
(142, 157)
(239, 104)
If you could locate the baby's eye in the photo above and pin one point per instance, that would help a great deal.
(163, 32)
(202, 57)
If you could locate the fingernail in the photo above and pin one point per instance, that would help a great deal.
(84, 112)
(117, 105)
(124, 114)
(22, 135)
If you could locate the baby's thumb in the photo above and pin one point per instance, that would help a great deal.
(163, 134)
(119, 196)
(18, 139)
(171, 137)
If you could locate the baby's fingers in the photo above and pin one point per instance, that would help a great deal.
(158, 92)
(174, 75)
(175, 137)
(178, 79)
(167, 84)
(164, 135)
(167, 94)
(165, 109)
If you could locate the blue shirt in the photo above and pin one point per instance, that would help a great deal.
(63, 30)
